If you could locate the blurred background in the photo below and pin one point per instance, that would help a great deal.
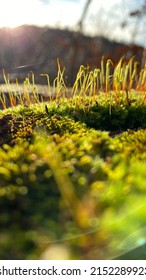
(33, 34)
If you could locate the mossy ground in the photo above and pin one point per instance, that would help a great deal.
(72, 174)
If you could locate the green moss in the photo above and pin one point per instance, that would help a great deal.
(72, 172)
(103, 172)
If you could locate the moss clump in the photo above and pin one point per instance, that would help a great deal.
(72, 170)
(50, 182)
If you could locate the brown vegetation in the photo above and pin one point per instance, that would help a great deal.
(38, 49)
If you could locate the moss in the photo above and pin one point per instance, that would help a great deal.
(71, 172)
(103, 172)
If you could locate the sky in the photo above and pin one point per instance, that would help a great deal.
(103, 17)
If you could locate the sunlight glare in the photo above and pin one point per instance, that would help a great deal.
(16, 12)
